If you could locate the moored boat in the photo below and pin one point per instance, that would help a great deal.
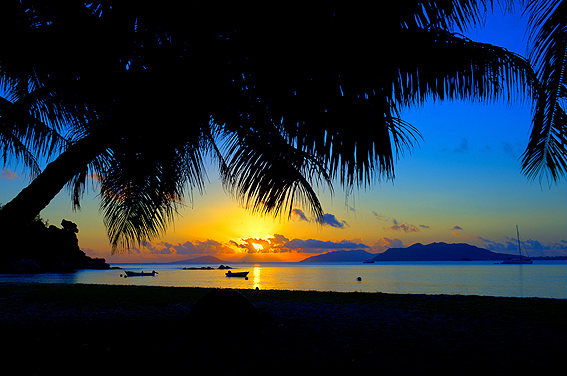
(140, 274)
(517, 261)
(236, 274)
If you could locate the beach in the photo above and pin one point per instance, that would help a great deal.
(88, 329)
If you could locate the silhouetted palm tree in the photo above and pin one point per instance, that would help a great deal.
(297, 94)
(546, 154)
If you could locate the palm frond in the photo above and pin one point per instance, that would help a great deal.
(449, 14)
(461, 70)
(12, 146)
(546, 153)
(144, 186)
(269, 176)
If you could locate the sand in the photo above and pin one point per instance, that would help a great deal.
(89, 329)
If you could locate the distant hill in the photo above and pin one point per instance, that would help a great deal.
(201, 260)
(440, 252)
(341, 256)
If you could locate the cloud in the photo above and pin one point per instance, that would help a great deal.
(269, 244)
(380, 217)
(405, 228)
(533, 247)
(194, 248)
(317, 246)
(509, 150)
(330, 220)
(464, 146)
(299, 214)
(7, 174)
(326, 219)
(457, 228)
(278, 243)
(207, 247)
(398, 226)
(461, 236)
(278, 240)
(383, 244)
(255, 245)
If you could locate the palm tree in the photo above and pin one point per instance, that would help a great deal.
(124, 87)
(298, 97)
(546, 154)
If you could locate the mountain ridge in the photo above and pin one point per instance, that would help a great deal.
(437, 251)
(341, 256)
(440, 252)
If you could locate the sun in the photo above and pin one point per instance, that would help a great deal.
(257, 247)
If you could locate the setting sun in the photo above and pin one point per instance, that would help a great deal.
(258, 247)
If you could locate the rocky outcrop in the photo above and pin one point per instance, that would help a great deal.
(39, 248)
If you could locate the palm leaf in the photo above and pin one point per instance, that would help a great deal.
(461, 70)
(269, 176)
(546, 153)
(145, 183)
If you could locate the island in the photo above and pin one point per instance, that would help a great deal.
(341, 256)
(200, 260)
(418, 252)
(221, 267)
(440, 252)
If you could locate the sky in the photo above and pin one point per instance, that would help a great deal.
(462, 184)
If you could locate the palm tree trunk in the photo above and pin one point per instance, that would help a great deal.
(39, 193)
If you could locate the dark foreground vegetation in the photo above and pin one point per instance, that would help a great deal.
(92, 329)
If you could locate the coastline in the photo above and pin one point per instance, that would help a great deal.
(300, 331)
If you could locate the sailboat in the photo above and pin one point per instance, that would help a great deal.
(520, 260)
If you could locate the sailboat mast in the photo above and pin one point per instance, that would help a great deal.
(519, 247)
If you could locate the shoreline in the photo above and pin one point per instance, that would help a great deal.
(299, 331)
(506, 282)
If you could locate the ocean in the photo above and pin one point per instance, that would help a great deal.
(543, 279)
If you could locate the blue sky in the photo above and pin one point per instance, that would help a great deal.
(461, 184)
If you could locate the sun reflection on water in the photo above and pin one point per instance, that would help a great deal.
(256, 276)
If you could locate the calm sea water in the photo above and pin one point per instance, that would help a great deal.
(544, 279)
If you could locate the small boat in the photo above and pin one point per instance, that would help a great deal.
(517, 261)
(520, 259)
(236, 274)
(140, 274)
(368, 261)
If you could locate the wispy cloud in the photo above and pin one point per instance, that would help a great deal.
(463, 147)
(328, 219)
(462, 236)
(533, 247)
(7, 174)
(318, 246)
(457, 228)
(384, 244)
(299, 215)
(509, 150)
(379, 216)
(399, 225)
(406, 227)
